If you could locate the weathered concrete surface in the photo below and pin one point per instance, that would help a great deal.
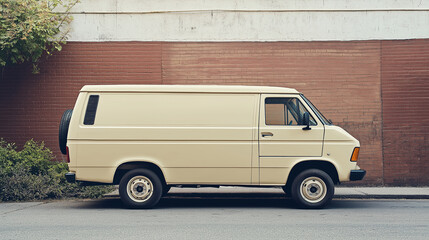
(250, 20)
(216, 218)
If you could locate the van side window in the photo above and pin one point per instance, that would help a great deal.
(285, 111)
(91, 110)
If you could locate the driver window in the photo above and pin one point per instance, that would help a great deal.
(285, 111)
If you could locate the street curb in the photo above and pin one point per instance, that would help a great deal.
(277, 196)
(277, 193)
(371, 196)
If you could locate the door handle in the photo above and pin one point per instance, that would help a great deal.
(267, 134)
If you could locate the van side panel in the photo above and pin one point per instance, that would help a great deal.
(195, 138)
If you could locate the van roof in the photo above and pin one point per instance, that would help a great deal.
(186, 88)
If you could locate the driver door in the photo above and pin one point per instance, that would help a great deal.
(282, 140)
(281, 126)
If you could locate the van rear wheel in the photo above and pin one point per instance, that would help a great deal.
(312, 188)
(140, 188)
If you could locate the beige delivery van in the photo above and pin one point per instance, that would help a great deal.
(147, 138)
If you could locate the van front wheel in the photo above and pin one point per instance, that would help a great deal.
(140, 188)
(312, 188)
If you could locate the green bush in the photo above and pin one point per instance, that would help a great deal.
(30, 29)
(31, 174)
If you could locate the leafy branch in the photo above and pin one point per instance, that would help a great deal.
(31, 28)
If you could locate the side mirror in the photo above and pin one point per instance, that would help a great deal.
(306, 121)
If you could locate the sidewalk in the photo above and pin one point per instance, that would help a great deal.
(340, 192)
(382, 192)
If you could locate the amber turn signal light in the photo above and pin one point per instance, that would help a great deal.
(355, 155)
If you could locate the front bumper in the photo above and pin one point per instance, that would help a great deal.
(356, 175)
(71, 177)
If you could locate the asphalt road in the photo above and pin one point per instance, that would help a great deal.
(215, 218)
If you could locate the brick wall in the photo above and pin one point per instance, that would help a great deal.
(405, 91)
(344, 79)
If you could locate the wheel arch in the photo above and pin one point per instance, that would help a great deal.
(325, 166)
(127, 166)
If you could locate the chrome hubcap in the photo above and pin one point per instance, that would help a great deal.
(139, 188)
(313, 189)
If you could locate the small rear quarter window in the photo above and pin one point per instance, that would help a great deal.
(91, 110)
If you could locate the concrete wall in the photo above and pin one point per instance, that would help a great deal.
(249, 20)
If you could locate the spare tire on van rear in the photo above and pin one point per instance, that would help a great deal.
(64, 129)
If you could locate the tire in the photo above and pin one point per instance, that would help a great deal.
(140, 188)
(165, 190)
(287, 190)
(64, 129)
(312, 188)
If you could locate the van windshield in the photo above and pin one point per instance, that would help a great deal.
(318, 113)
